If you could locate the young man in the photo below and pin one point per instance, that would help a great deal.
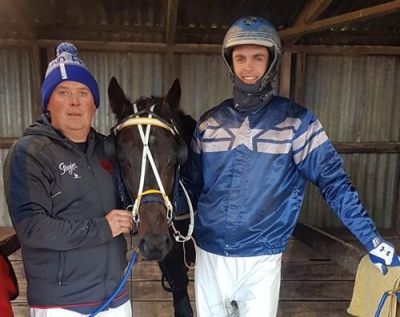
(61, 198)
(251, 158)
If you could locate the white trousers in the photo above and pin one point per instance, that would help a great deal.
(237, 286)
(124, 310)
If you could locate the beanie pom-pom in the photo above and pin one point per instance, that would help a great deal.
(67, 47)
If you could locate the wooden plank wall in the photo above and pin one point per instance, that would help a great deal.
(311, 286)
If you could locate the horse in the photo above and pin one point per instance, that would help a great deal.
(150, 144)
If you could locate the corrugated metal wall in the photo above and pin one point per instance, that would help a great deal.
(205, 82)
(374, 176)
(139, 74)
(356, 99)
(15, 91)
(15, 104)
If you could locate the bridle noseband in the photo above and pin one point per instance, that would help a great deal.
(152, 195)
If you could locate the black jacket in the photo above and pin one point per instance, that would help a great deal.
(58, 197)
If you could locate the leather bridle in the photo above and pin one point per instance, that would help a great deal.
(144, 125)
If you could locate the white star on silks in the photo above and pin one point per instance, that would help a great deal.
(244, 135)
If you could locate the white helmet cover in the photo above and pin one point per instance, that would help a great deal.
(256, 31)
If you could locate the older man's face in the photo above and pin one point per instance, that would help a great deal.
(71, 107)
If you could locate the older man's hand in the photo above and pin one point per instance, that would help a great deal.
(120, 221)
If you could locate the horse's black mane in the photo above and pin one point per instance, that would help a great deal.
(188, 124)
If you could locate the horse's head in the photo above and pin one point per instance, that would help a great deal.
(149, 148)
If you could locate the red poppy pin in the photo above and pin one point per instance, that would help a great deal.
(106, 164)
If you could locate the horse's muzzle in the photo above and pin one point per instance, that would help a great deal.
(154, 247)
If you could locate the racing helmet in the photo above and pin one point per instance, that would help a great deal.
(256, 31)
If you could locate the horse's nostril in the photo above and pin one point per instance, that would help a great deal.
(141, 245)
(168, 242)
(155, 247)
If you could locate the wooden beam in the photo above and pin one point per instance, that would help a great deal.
(396, 209)
(172, 17)
(36, 81)
(285, 72)
(100, 28)
(14, 43)
(345, 50)
(345, 254)
(6, 143)
(118, 46)
(397, 206)
(351, 17)
(352, 37)
(94, 32)
(300, 78)
(367, 147)
(110, 46)
(198, 48)
(311, 11)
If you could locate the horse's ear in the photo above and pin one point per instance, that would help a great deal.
(120, 105)
(174, 94)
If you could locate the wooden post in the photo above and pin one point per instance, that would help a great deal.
(396, 208)
(36, 81)
(170, 69)
(300, 78)
(284, 78)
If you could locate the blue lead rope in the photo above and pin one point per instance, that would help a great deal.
(108, 301)
(383, 300)
(381, 303)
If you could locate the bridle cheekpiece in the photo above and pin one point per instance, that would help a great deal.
(153, 119)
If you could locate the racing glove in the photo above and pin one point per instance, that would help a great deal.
(382, 254)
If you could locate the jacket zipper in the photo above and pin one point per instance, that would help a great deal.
(61, 268)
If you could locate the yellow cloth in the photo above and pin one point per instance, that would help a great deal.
(369, 287)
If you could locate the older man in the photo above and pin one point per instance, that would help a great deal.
(61, 198)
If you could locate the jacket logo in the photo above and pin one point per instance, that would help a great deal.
(70, 168)
(277, 140)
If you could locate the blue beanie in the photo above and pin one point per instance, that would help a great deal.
(67, 66)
